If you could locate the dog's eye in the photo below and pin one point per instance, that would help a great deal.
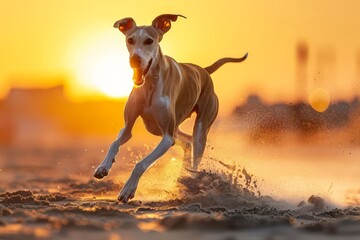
(131, 41)
(148, 41)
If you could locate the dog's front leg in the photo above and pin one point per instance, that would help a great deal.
(128, 191)
(131, 113)
(103, 169)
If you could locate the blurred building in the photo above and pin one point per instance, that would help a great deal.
(46, 117)
(302, 58)
(326, 68)
(271, 123)
(357, 78)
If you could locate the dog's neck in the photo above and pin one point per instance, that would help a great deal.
(156, 68)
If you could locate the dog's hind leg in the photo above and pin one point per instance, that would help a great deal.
(184, 141)
(205, 118)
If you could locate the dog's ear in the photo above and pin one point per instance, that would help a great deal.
(162, 23)
(125, 24)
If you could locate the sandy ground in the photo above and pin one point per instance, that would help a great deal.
(50, 194)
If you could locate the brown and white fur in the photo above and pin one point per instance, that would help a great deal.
(165, 93)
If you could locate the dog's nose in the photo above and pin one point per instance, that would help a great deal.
(135, 61)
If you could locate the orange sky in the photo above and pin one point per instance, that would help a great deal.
(44, 42)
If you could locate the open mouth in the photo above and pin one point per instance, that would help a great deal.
(139, 74)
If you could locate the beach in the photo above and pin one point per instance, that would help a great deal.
(45, 196)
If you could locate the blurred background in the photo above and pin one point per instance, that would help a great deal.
(293, 106)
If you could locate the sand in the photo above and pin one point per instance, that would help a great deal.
(40, 200)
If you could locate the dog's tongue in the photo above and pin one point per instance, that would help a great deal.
(137, 77)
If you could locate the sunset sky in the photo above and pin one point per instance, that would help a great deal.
(47, 42)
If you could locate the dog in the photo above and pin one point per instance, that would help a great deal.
(165, 93)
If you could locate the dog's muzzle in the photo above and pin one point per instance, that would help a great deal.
(139, 73)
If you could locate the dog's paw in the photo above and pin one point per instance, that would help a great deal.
(128, 192)
(101, 172)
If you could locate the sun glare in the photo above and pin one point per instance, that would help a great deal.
(102, 67)
(110, 74)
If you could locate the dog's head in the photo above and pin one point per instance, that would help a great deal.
(143, 42)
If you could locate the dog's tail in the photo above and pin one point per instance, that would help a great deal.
(222, 61)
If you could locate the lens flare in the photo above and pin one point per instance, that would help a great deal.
(319, 99)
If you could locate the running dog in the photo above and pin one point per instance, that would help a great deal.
(165, 93)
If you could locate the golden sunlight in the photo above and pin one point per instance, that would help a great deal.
(109, 74)
(103, 67)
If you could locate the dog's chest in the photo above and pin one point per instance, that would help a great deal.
(153, 112)
(150, 121)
